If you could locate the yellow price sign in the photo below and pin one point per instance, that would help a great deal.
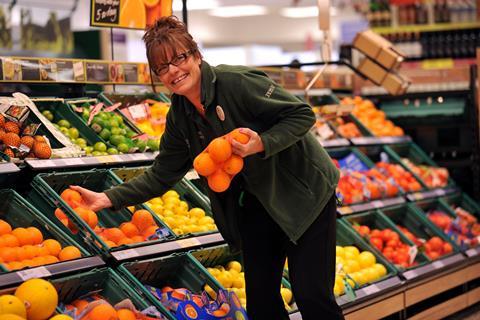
(437, 64)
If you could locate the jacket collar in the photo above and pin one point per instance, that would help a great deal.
(209, 78)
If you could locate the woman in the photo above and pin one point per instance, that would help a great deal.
(281, 205)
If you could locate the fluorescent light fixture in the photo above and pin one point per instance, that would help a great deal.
(238, 11)
(195, 5)
(304, 12)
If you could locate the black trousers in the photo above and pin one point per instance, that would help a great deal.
(311, 264)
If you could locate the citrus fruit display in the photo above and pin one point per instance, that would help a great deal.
(153, 120)
(217, 162)
(26, 247)
(355, 267)
(372, 118)
(142, 226)
(232, 278)
(17, 142)
(433, 177)
(178, 216)
(464, 229)
(434, 247)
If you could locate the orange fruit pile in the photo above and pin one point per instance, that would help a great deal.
(26, 247)
(95, 307)
(138, 229)
(218, 163)
(372, 118)
(12, 138)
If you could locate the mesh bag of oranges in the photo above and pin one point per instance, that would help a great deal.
(217, 162)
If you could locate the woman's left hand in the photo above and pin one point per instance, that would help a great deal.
(254, 145)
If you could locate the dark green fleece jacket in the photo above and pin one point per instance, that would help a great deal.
(293, 178)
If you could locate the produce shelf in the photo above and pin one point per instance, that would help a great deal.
(366, 141)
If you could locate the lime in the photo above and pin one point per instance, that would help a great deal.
(48, 114)
(73, 133)
(141, 145)
(113, 123)
(100, 146)
(88, 149)
(130, 133)
(117, 139)
(64, 123)
(86, 114)
(56, 126)
(81, 142)
(118, 118)
(64, 131)
(112, 151)
(153, 144)
(104, 115)
(96, 153)
(105, 134)
(116, 131)
(123, 147)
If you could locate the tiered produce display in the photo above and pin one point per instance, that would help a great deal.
(164, 259)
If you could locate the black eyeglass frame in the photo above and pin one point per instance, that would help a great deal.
(176, 61)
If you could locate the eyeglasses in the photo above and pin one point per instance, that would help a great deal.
(176, 61)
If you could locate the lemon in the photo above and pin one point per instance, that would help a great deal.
(61, 317)
(12, 305)
(197, 212)
(351, 266)
(40, 296)
(235, 265)
(366, 259)
(10, 316)
(381, 270)
(286, 295)
(339, 251)
(352, 250)
(170, 194)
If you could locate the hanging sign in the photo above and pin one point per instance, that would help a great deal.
(129, 14)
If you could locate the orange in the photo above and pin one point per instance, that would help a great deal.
(69, 253)
(31, 251)
(150, 231)
(137, 239)
(111, 244)
(80, 305)
(126, 314)
(113, 234)
(129, 229)
(219, 181)
(10, 240)
(124, 240)
(35, 235)
(5, 227)
(238, 136)
(72, 197)
(2, 242)
(88, 216)
(233, 165)
(22, 253)
(16, 265)
(60, 214)
(150, 3)
(40, 296)
(8, 254)
(53, 246)
(50, 259)
(103, 312)
(143, 219)
(133, 15)
(204, 164)
(219, 149)
(23, 236)
(39, 261)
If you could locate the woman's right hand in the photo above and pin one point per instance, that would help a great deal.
(93, 200)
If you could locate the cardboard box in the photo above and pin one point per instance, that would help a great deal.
(395, 84)
(372, 70)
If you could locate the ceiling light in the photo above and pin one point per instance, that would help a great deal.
(304, 12)
(195, 5)
(238, 11)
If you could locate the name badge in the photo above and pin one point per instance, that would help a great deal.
(220, 113)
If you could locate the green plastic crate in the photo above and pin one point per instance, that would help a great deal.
(15, 210)
(348, 237)
(416, 155)
(184, 188)
(375, 220)
(423, 206)
(61, 110)
(46, 190)
(103, 281)
(176, 271)
(418, 224)
(464, 201)
(221, 255)
(126, 99)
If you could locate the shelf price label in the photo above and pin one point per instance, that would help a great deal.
(371, 289)
(187, 243)
(126, 254)
(38, 272)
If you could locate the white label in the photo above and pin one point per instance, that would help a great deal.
(138, 111)
(438, 264)
(412, 251)
(371, 289)
(78, 69)
(439, 192)
(126, 254)
(38, 272)
(377, 204)
(471, 252)
(186, 243)
(46, 163)
(139, 156)
(192, 175)
(74, 161)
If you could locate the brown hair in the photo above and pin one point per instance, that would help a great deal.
(168, 33)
